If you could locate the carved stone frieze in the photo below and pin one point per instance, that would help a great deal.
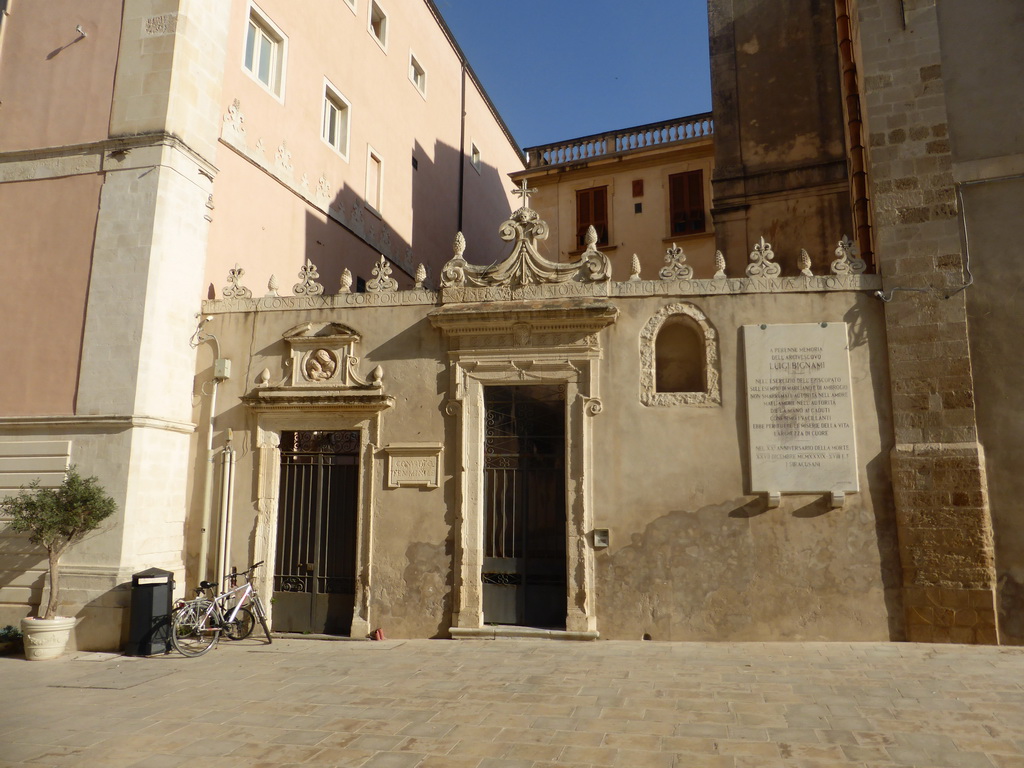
(648, 337)
(323, 355)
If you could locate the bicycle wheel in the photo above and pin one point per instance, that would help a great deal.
(241, 627)
(257, 606)
(191, 631)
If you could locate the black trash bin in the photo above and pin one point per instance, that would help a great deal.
(149, 630)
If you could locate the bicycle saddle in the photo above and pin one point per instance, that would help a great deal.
(207, 584)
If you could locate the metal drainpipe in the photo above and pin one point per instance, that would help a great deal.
(204, 536)
(462, 146)
(855, 129)
(227, 477)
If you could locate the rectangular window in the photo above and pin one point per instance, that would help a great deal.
(592, 210)
(378, 24)
(335, 120)
(686, 202)
(264, 51)
(374, 180)
(474, 157)
(418, 75)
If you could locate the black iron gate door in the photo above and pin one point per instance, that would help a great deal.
(314, 574)
(524, 569)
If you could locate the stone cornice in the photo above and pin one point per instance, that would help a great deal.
(626, 289)
(91, 157)
(101, 423)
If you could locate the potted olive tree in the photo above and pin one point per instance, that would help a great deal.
(55, 518)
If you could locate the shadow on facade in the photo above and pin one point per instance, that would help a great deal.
(425, 204)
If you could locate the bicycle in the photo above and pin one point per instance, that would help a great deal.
(197, 625)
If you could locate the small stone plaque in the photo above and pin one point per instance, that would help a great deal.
(414, 465)
(800, 408)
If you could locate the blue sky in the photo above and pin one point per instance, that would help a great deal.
(558, 69)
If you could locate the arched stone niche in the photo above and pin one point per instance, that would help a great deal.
(679, 353)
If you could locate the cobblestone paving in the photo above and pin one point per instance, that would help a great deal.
(520, 704)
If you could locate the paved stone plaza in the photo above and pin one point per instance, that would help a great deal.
(520, 704)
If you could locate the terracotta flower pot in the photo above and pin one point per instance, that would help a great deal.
(46, 638)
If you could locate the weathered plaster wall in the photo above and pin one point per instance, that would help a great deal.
(37, 254)
(55, 84)
(978, 60)
(412, 527)
(693, 556)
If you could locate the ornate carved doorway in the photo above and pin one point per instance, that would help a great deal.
(315, 568)
(523, 574)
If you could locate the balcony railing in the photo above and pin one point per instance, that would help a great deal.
(600, 144)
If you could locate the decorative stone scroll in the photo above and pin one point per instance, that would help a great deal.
(648, 336)
(382, 279)
(308, 285)
(525, 265)
(848, 262)
(323, 355)
(676, 267)
(234, 289)
(761, 261)
(413, 465)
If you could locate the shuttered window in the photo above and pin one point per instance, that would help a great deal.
(592, 209)
(686, 202)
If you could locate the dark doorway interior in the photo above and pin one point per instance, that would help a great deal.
(524, 570)
(314, 574)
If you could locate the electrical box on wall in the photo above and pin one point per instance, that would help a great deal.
(222, 368)
(602, 538)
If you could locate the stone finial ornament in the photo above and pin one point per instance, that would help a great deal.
(719, 266)
(234, 289)
(272, 286)
(382, 280)
(453, 274)
(634, 267)
(804, 262)
(345, 283)
(848, 262)
(761, 261)
(421, 276)
(308, 275)
(676, 267)
(263, 380)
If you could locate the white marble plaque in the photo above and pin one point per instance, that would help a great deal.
(800, 408)
(412, 465)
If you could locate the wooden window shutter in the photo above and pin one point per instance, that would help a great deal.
(686, 202)
(592, 209)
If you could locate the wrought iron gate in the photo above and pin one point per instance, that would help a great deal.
(314, 574)
(524, 569)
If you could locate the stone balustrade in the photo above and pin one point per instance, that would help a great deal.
(625, 140)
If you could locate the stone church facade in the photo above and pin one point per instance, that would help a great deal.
(783, 439)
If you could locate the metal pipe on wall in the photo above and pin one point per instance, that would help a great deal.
(227, 477)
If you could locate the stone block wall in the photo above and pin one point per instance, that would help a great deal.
(943, 517)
